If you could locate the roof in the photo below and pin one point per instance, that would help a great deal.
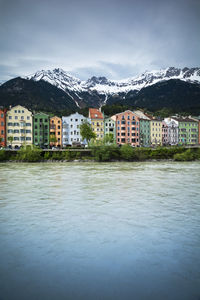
(141, 115)
(186, 119)
(94, 113)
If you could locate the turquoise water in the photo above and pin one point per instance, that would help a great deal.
(100, 231)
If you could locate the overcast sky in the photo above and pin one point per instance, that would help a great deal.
(115, 38)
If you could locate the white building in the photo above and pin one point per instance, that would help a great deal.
(71, 129)
(173, 136)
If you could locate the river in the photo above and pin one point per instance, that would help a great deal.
(100, 231)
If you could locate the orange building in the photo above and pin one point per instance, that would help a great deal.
(2, 127)
(56, 131)
(127, 128)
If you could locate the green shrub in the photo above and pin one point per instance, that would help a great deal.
(56, 155)
(29, 155)
(141, 154)
(127, 152)
(105, 152)
(47, 155)
(3, 155)
(188, 155)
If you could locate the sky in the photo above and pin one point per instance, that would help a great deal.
(113, 38)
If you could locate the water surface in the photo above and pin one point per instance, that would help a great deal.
(100, 231)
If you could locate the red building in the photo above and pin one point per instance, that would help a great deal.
(2, 127)
(127, 128)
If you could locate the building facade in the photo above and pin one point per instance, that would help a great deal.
(2, 127)
(127, 128)
(156, 132)
(19, 127)
(71, 129)
(145, 137)
(109, 127)
(56, 131)
(165, 134)
(97, 122)
(41, 130)
(188, 130)
(198, 120)
(173, 134)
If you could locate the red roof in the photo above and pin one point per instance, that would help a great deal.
(94, 113)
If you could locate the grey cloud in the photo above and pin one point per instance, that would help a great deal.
(111, 38)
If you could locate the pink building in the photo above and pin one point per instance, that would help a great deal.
(127, 128)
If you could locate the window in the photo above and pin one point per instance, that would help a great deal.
(2, 123)
(10, 117)
(23, 111)
(28, 124)
(22, 117)
(19, 111)
(36, 119)
(28, 138)
(10, 124)
(16, 131)
(46, 120)
(76, 120)
(28, 131)
(16, 117)
(16, 138)
(15, 111)
(40, 120)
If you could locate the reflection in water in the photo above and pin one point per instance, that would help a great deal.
(100, 231)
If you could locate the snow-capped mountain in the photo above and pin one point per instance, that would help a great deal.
(56, 90)
(104, 86)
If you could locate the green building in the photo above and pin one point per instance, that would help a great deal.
(109, 127)
(145, 137)
(188, 130)
(41, 130)
(145, 134)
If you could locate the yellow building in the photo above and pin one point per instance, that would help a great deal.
(156, 132)
(56, 131)
(97, 122)
(19, 126)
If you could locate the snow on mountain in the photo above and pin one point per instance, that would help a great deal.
(102, 85)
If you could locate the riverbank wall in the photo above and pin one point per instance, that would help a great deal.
(102, 154)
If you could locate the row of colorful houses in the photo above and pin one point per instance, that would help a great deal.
(19, 126)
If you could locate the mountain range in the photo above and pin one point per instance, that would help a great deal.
(57, 90)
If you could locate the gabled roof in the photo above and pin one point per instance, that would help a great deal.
(123, 112)
(94, 113)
